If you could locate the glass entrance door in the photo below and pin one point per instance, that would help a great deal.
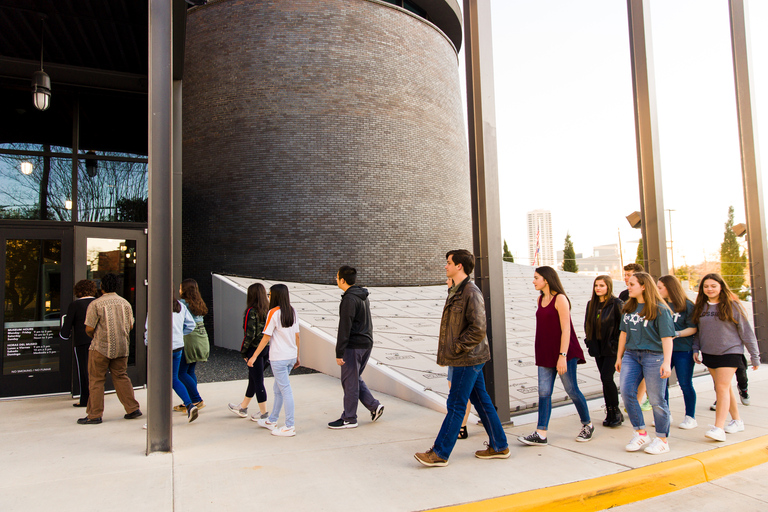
(37, 288)
(99, 251)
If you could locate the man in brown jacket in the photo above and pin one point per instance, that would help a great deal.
(464, 347)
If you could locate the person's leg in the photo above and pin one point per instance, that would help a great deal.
(631, 375)
(365, 395)
(282, 370)
(655, 389)
(722, 378)
(479, 397)
(278, 403)
(97, 374)
(606, 365)
(350, 382)
(641, 391)
(259, 389)
(684, 363)
(81, 354)
(546, 385)
(118, 367)
(461, 385)
(741, 375)
(186, 376)
(178, 387)
(572, 388)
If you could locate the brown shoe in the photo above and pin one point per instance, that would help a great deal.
(180, 408)
(200, 404)
(430, 458)
(490, 453)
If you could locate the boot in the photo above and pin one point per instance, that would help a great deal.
(608, 415)
(616, 417)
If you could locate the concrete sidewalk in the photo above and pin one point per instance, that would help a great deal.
(223, 462)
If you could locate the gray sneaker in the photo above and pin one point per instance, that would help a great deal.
(235, 408)
(258, 416)
(585, 434)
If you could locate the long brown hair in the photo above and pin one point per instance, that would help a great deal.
(594, 305)
(653, 301)
(191, 294)
(725, 301)
(257, 299)
(676, 294)
(553, 280)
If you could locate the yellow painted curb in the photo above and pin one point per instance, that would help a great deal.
(629, 486)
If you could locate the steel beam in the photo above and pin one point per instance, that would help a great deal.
(160, 293)
(647, 137)
(177, 145)
(484, 179)
(750, 170)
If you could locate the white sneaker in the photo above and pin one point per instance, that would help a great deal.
(657, 447)
(284, 431)
(734, 426)
(688, 423)
(265, 423)
(715, 433)
(637, 442)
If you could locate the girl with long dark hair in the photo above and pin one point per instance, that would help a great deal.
(724, 331)
(645, 352)
(281, 330)
(601, 325)
(196, 344)
(672, 292)
(557, 353)
(254, 317)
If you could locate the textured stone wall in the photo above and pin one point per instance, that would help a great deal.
(321, 133)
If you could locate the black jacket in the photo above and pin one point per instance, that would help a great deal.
(74, 322)
(355, 324)
(610, 318)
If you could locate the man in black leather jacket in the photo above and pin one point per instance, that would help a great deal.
(354, 343)
(464, 347)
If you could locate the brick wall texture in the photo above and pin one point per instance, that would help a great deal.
(317, 134)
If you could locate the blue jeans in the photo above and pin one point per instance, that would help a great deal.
(637, 365)
(683, 363)
(282, 390)
(547, 384)
(189, 379)
(468, 383)
(178, 387)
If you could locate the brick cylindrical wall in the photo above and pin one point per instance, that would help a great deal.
(317, 134)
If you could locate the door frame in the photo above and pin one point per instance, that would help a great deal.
(44, 383)
(137, 373)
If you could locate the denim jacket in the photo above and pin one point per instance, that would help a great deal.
(462, 339)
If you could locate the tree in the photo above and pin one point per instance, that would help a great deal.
(640, 258)
(507, 256)
(569, 256)
(733, 261)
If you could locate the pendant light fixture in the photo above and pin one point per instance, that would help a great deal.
(41, 82)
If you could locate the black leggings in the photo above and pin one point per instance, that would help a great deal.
(607, 367)
(256, 376)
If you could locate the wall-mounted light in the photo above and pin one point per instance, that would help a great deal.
(68, 204)
(41, 82)
(26, 168)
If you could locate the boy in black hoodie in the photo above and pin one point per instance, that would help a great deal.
(354, 343)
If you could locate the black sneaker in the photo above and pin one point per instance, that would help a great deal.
(341, 423)
(744, 396)
(533, 439)
(89, 421)
(133, 415)
(585, 434)
(713, 407)
(377, 413)
(192, 413)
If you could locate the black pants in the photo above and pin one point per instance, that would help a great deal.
(81, 372)
(741, 375)
(256, 376)
(607, 367)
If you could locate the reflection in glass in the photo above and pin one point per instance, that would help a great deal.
(42, 194)
(117, 257)
(112, 191)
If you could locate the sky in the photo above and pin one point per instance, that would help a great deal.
(565, 121)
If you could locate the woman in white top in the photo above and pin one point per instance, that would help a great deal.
(282, 329)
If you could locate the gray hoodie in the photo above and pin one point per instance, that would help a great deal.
(717, 338)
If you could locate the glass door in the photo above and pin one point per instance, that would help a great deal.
(99, 251)
(38, 284)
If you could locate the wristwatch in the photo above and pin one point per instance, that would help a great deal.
(563, 354)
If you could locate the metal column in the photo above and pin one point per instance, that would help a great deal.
(160, 228)
(484, 178)
(647, 137)
(750, 171)
(177, 104)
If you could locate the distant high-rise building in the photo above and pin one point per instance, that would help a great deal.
(540, 248)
